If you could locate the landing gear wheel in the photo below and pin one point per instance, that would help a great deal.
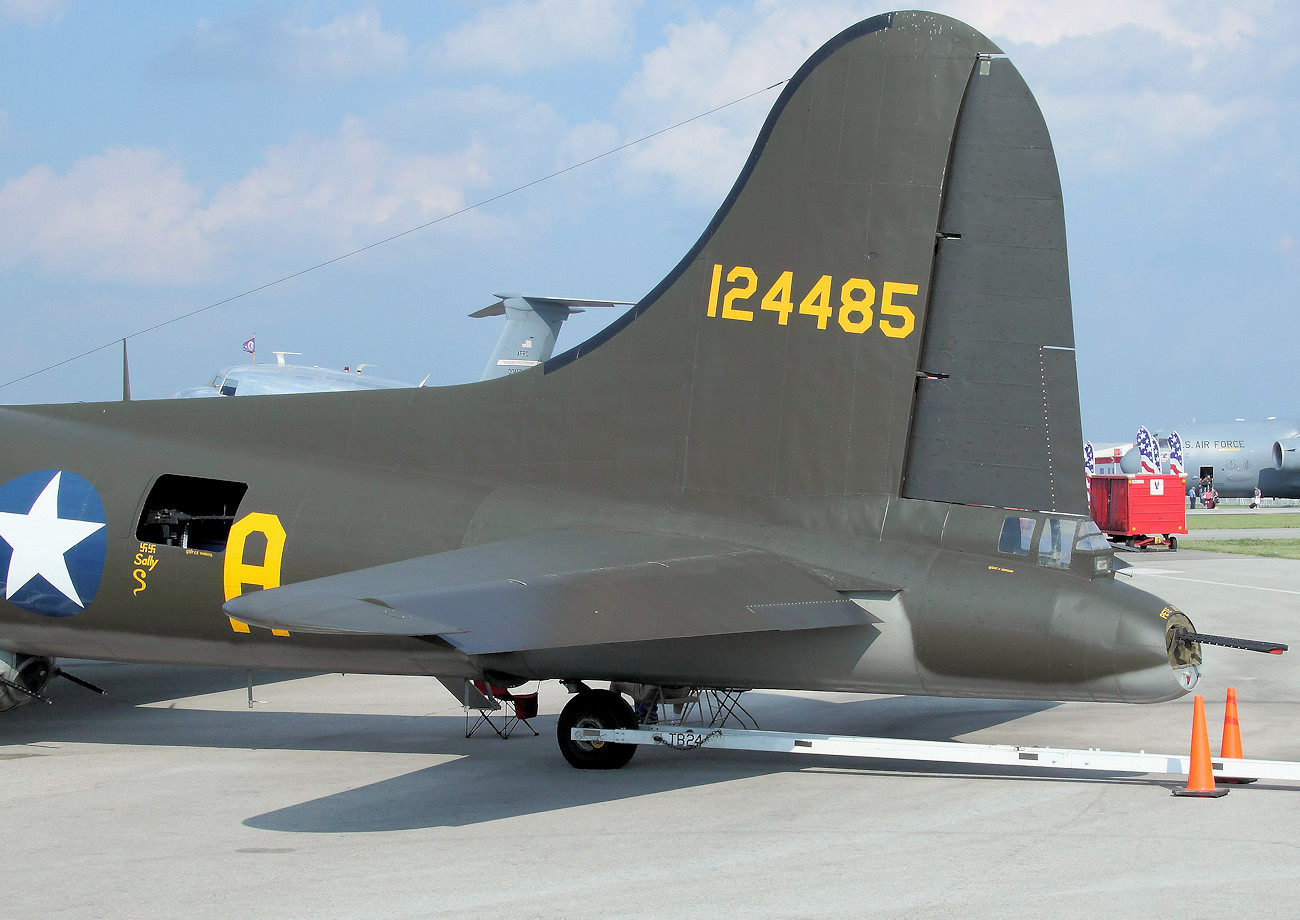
(595, 709)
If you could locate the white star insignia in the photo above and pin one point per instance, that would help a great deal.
(39, 539)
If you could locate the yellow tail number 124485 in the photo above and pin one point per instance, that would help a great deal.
(855, 311)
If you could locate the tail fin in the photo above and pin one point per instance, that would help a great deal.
(532, 326)
(880, 306)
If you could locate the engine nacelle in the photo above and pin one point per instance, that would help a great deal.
(1286, 454)
(30, 672)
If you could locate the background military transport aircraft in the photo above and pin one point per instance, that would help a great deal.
(1238, 456)
(772, 472)
(527, 339)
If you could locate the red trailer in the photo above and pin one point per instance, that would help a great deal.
(1141, 510)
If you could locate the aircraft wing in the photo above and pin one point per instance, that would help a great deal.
(564, 589)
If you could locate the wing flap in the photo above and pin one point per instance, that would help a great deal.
(561, 590)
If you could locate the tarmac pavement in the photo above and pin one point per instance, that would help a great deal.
(358, 796)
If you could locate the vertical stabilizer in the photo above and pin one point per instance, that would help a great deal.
(532, 326)
(901, 200)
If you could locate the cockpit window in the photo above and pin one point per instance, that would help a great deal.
(1056, 544)
(1017, 536)
(216, 381)
(1091, 539)
(228, 388)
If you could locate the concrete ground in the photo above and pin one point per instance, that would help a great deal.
(357, 796)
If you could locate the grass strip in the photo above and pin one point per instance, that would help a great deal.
(1276, 549)
(1250, 520)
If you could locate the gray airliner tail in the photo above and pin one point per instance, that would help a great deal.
(532, 325)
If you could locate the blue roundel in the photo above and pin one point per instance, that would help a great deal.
(52, 542)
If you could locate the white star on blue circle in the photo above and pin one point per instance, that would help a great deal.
(52, 542)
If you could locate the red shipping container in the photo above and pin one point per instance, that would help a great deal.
(1129, 506)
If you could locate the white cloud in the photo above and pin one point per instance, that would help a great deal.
(1116, 103)
(705, 63)
(701, 160)
(350, 46)
(131, 215)
(1134, 97)
(123, 215)
(582, 142)
(30, 12)
(255, 47)
(1188, 23)
(334, 188)
(1124, 131)
(525, 35)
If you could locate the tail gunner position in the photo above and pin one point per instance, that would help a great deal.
(800, 462)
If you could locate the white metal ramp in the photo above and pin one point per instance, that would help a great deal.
(955, 752)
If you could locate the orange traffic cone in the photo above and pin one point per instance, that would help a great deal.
(1200, 775)
(1232, 737)
(1231, 728)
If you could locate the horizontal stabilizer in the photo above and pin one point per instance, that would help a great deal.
(572, 304)
(561, 590)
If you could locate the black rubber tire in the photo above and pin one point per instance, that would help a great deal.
(1173, 544)
(595, 709)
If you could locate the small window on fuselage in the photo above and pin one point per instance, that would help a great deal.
(1017, 536)
(190, 512)
(1056, 545)
(1091, 539)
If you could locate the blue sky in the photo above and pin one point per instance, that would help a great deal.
(156, 161)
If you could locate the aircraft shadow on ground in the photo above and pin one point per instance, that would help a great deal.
(513, 779)
(486, 779)
(462, 792)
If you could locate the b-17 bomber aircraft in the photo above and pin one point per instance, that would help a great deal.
(772, 472)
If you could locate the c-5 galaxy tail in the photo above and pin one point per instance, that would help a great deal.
(880, 306)
(532, 325)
